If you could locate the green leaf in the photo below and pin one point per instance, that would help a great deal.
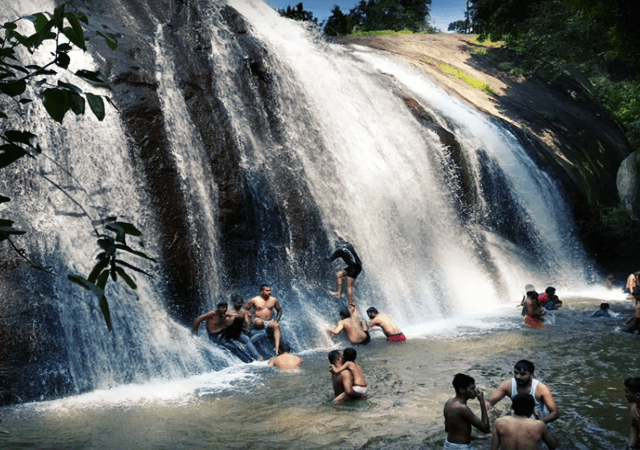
(13, 88)
(102, 279)
(97, 269)
(111, 40)
(63, 48)
(41, 22)
(81, 281)
(129, 229)
(4, 199)
(6, 222)
(9, 26)
(94, 78)
(97, 105)
(114, 273)
(10, 153)
(2, 115)
(69, 86)
(126, 264)
(76, 31)
(127, 279)
(56, 103)
(63, 60)
(104, 307)
(22, 137)
(130, 250)
(7, 53)
(77, 102)
(10, 230)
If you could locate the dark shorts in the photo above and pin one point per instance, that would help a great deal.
(353, 271)
(366, 340)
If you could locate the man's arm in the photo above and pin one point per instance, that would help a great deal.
(337, 330)
(504, 390)
(547, 399)
(279, 310)
(196, 323)
(548, 438)
(336, 370)
(483, 425)
(633, 426)
(249, 305)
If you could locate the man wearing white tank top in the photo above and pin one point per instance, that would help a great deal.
(524, 383)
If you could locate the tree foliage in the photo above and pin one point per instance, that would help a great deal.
(459, 26)
(374, 15)
(66, 27)
(298, 13)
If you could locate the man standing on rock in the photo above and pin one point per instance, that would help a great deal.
(263, 306)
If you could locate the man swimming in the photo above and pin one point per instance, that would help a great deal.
(353, 269)
(520, 432)
(458, 417)
(389, 328)
(524, 383)
(353, 328)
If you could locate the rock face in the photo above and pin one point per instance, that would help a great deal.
(629, 184)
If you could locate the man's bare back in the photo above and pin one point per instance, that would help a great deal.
(286, 361)
(520, 433)
(389, 328)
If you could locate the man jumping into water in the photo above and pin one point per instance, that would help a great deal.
(353, 269)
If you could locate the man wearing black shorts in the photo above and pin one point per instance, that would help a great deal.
(353, 269)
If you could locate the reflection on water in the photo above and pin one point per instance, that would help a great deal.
(583, 360)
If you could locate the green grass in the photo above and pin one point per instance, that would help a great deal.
(487, 43)
(462, 75)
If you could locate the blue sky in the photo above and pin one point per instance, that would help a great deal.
(443, 12)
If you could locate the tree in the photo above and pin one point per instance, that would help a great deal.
(338, 23)
(373, 15)
(459, 26)
(298, 13)
(66, 27)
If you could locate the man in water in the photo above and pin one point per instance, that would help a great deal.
(519, 432)
(632, 282)
(343, 381)
(216, 322)
(390, 330)
(355, 330)
(633, 323)
(353, 269)
(285, 360)
(262, 315)
(546, 297)
(238, 328)
(524, 383)
(458, 417)
(632, 394)
(603, 311)
(358, 383)
(533, 312)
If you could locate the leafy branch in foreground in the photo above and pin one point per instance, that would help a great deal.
(66, 28)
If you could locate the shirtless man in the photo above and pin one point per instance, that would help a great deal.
(633, 323)
(359, 385)
(352, 327)
(524, 383)
(390, 330)
(353, 269)
(285, 360)
(239, 327)
(343, 381)
(533, 312)
(632, 393)
(519, 432)
(458, 417)
(632, 282)
(263, 306)
(216, 322)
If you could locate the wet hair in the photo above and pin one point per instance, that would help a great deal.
(462, 381)
(523, 404)
(236, 297)
(532, 294)
(284, 348)
(345, 314)
(633, 384)
(372, 310)
(604, 306)
(550, 290)
(222, 304)
(349, 354)
(333, 356)
(524, 366)
(263, 287)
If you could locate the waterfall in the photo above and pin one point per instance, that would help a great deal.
(325, 148)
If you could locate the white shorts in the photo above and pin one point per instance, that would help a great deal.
(362, 390)
(451, 446)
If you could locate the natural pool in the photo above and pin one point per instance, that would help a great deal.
(583, 360)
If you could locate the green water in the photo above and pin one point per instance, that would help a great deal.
(583, 360)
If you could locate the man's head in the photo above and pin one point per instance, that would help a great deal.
(523, 372)
(349, 354)
(237, 301)
(265, 291)
(529, 287)
(550, 291)
(523, 404)
(345, 314)
(632, 389)
(464, 384)
(533, 295)
(222, 307)
(372, 312)
(284, 348)
(334, 356)
(604, 306)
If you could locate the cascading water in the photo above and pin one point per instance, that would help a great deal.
(329, 137)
